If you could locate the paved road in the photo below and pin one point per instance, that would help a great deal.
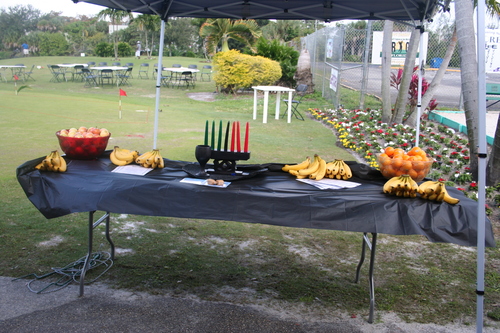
(447, 94)
(107, 310)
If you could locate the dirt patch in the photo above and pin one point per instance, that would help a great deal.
(202, 96)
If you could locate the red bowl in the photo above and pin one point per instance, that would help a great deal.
(83, 148)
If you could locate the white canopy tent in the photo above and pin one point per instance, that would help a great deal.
(413, 11)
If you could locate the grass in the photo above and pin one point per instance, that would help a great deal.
(216, 260)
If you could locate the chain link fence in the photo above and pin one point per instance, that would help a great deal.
(348, 57)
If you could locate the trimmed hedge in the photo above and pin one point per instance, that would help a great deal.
(234, 71)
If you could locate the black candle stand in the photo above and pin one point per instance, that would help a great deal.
(225, 161)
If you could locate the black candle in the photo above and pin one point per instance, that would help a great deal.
(227, 136)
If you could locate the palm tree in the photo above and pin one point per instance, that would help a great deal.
(116, 16)
(464, 12)
(219, 31)
(148, 24)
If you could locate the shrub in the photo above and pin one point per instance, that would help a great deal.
(124, 50)
(287, 57)
(234, 70)
(104, 49)
(52, 44)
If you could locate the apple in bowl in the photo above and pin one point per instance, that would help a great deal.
(83, 143)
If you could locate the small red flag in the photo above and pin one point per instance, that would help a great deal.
(16, 77)
(122, 92)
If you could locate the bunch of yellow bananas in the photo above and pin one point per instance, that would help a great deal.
(318, 168)
(436, 190)
(151, 159)
(401, 186)
(338, 169)
(53, 162)
(121, 156)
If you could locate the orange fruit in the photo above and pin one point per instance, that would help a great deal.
(413, 174)
(399, 151)
(415, 151)
(389, 151)
(387, 171)
(418, 165)
(396, 162)
(406, 166)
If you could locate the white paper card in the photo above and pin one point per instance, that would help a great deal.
(132, 169)
(203, 182)
(332, 184)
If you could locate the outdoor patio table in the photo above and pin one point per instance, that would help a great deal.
(271, 197)
(113, 68)
(266, 90)
(13, 69)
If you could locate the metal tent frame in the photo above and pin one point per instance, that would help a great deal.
(412, 12)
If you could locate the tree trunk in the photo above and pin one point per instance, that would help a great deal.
(303, 75)
(386, 72)
(402, 99)
(493, 169)
(468, 71)
(426, 98)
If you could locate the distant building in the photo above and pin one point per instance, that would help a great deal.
(116, 27)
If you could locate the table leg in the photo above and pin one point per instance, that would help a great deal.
(289, 110)
(254, 104)
(278, 100)
(92, 225)
(266, 102)
(372, 246)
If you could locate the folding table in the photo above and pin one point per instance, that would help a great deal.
(271, 197)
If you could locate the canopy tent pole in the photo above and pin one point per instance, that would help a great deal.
(482, 154)
(158, 83)
(419, 87)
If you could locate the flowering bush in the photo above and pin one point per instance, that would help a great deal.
(363, 133)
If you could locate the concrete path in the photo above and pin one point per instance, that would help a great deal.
(459, 117)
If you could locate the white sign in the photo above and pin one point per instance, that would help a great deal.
(329, 48)
(334, 79)
(492, 52)
(400, 43)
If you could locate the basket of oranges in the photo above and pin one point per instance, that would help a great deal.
(396, 162)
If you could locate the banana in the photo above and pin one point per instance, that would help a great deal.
(402, 185)
(142, 158)
(348, 171)
(335, 167)
(52, 162)
(311, 168)
(321, 170)
(159, 160)
(125, 154)
(117, 161)
(151, 159)
(302, 165)
(436, 191)
(390, 185)
(449, 199)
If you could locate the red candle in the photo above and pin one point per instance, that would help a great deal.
(247, 130)
(232, 137)
(238, 136)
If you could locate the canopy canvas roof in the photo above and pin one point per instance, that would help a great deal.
(396, 10)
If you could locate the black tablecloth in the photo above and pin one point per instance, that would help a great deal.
(272, 197)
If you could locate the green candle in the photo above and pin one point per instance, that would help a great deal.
(213, 135)
(220, 136)
(206, 133)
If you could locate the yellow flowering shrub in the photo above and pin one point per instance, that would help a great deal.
(234, 70)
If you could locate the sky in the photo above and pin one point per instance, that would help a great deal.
(67, 7)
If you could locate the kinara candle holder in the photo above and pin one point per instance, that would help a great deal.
(225, 161)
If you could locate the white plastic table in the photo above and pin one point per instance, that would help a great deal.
(266, 90)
